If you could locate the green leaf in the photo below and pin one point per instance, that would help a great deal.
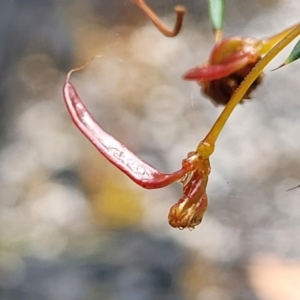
(216, 14)
(294, 55)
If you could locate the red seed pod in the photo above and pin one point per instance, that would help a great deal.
(230, 62)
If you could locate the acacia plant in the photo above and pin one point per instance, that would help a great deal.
(231, 73)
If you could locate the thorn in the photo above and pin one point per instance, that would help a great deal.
(282, 65)
(293, 188)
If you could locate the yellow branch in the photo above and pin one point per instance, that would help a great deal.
(268, 44)
(207, 145)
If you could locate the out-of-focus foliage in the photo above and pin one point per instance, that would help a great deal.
(216, 12)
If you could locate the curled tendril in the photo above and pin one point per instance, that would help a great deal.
(180, 12)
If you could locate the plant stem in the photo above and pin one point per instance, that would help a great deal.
(211, 137)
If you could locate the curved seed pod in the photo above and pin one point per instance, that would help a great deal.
(126, 161)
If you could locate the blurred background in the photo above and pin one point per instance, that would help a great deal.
(73, 227)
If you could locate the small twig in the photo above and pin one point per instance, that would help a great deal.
(293, 188)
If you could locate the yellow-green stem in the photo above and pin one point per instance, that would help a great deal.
(267, 44)
(208, 143)
(218, 35)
